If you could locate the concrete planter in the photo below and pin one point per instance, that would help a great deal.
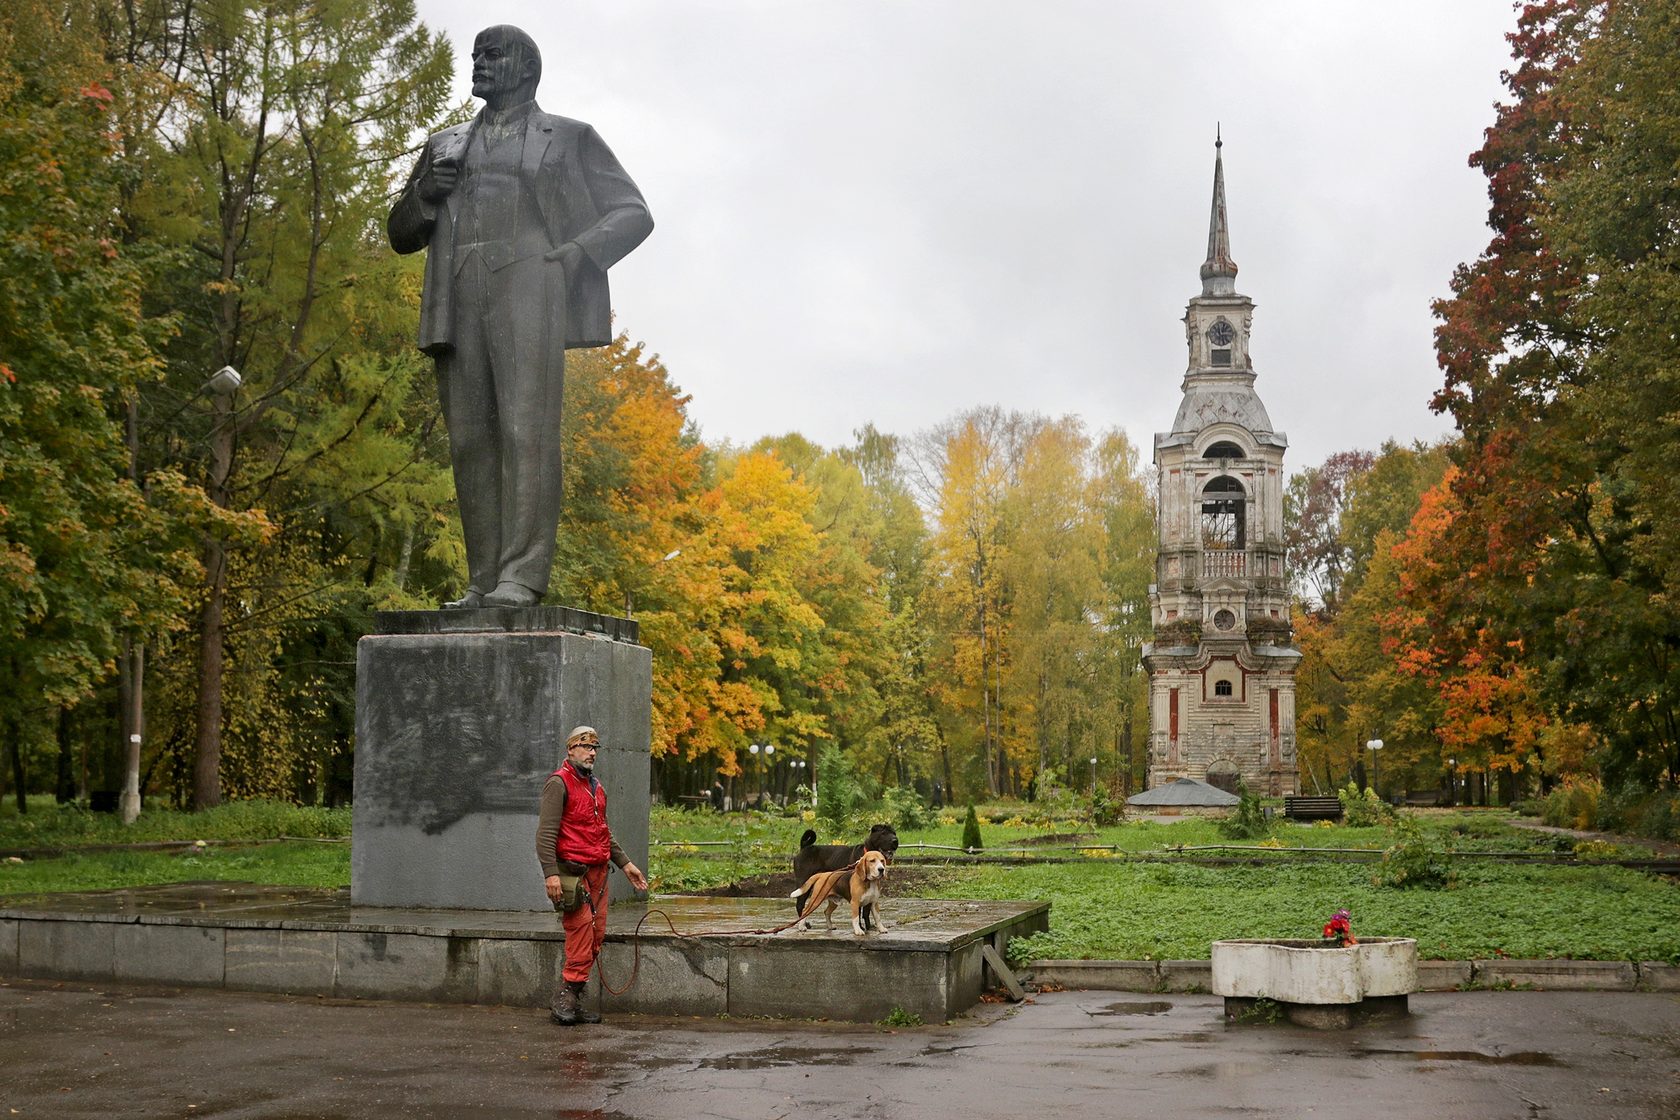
(1317, 983)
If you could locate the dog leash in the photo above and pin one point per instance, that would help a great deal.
(636, 937)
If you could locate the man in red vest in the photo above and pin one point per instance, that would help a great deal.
(573, 846)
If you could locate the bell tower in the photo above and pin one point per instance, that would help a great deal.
(1222, 663)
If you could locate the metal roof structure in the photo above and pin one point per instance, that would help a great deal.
(1185, 792)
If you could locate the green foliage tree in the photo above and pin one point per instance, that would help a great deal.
(838, 791)
(971, 831)
(266, 137)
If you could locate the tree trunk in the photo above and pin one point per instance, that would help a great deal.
(15, 736)
(133, 726)
(65, 787)
(1126, 739)
(207, 753)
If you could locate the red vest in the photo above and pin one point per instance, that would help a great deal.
(583, 834)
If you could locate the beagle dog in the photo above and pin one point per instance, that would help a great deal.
(859, 884)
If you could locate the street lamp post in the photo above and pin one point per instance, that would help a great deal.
(1374, 745)
(629, 598)
(1093, 775)
(762, 755)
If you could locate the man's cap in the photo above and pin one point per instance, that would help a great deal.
(582, 734)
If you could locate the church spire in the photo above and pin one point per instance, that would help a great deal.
(1219, 271)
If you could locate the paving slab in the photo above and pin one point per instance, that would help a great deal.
(93, 1051)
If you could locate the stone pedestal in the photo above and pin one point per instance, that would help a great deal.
(460, 717)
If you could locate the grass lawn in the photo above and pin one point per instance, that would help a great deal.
(48, 825)
(299, 863)
(1102, 908)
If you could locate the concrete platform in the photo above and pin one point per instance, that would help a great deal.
(719, 961)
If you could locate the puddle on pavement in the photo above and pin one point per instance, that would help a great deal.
(1144, 1007)
(1228, 1071)
(1517, 1058)
(781, 1056)
(649, 1063)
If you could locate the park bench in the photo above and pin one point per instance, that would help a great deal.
(1312, 808)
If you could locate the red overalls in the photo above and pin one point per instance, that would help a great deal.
(583, 838)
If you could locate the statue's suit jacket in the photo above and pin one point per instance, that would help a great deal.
(584, 196)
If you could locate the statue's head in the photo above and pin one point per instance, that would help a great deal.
(506, 66)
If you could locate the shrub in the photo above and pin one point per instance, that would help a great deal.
(1053, 800)
(1661, 818)
(1248, 820)
(1105, 808)
(1361, 810)
(1414, 859)
(1617, 808)
(1573, 804)
(905, 809)
(971, 831)
(838, 791)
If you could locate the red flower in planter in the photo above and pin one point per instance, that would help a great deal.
(1340, 928)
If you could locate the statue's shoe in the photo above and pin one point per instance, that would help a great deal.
(471, 601)
(512, 595)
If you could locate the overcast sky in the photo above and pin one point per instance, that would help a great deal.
(889, 211)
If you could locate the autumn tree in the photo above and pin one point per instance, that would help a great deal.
(83, 552)
(1036, 597)
(1313, 507)
(1349, 687)
(963, 470)
(1559, 359)
(907, 726)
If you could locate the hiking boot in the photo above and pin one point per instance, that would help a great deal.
(584, 1014)
(565, 1010)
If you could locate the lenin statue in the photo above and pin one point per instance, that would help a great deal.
(522, 213)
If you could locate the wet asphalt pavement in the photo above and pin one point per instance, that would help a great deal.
(69, 1050)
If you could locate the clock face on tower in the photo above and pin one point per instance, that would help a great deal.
(1221, 334)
